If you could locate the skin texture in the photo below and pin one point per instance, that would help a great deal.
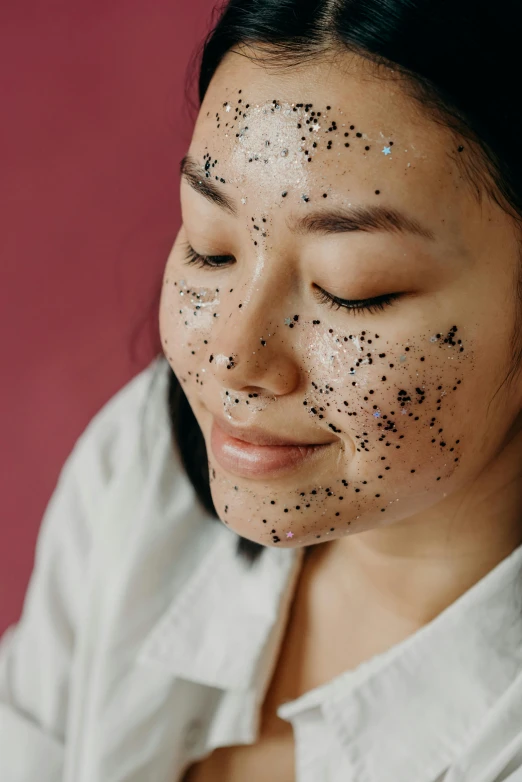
(419, 490)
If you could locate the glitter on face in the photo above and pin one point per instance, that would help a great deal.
(389, 394)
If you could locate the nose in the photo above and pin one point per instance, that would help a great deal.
(252, 348)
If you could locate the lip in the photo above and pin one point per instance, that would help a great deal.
(250, 460)
(256, 436)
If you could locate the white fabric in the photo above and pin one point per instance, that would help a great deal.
(145, 642)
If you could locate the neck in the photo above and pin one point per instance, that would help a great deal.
(415, 568)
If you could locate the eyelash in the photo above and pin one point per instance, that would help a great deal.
(376, 304)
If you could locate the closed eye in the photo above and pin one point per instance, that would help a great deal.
(375, 304)
(207, 261)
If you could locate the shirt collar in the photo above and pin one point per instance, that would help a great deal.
(440, 687)
(217, 626)
(409, 718)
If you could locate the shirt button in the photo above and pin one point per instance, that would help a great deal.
(192, 733)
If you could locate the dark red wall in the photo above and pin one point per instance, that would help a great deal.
(93, 125)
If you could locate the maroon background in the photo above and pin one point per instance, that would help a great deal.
(94, 123)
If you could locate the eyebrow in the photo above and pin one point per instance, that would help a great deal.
(339, 219)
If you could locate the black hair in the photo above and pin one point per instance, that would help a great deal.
(457, 58)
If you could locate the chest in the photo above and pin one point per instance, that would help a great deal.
(272, 756)
(305, 661)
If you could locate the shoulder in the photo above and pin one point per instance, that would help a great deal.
(117, 426)
(106, 456)
(130, 479)
(124, 426)
(123, 504)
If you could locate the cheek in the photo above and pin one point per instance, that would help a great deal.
(401, 408)
(186, 318)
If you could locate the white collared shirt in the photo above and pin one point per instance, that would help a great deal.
(145, 642)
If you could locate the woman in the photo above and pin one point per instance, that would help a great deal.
(341, 321)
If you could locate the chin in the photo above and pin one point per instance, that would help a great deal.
(276, 535)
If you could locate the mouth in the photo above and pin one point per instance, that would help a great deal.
(257, 436)
(254, 460)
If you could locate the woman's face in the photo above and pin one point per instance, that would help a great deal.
(328, 182)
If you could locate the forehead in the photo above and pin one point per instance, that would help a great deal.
(317, 123)
(324, 134)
